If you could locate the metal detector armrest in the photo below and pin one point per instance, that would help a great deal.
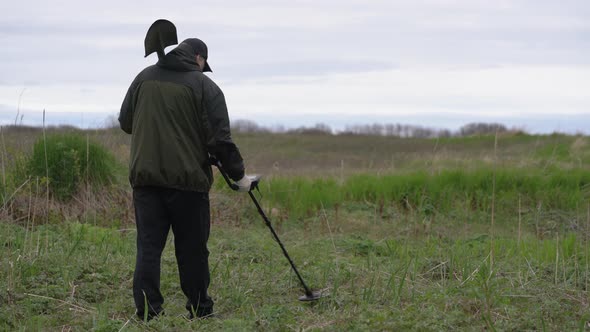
(255, 179)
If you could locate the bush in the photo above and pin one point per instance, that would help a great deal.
(71, 160)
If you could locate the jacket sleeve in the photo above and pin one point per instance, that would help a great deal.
(219, 142)
(127, 108)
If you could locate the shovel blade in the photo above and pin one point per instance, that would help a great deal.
(161, 34)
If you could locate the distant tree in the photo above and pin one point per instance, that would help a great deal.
(278, 129)
(421, 132)
(406, 131)
(377, 129)
(20, 128)
(395, 130)
(391, 130)
(323, 128)
(247, 126)
(374, 129)
(444, 133)
(111, 122)
(480, 128)
(318, 129)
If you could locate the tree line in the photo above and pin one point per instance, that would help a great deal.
(378, 129)
(375, 129)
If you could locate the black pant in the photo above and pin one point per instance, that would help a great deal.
(156, 210)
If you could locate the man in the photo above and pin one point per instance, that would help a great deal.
(178, 118)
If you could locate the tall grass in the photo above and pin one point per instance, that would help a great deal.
(435, 193)
(405, 274)
(67, 160)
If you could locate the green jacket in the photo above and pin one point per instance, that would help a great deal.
(177, 117)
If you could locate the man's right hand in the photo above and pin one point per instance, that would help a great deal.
(244, 184)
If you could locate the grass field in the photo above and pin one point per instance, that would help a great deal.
(404, 234)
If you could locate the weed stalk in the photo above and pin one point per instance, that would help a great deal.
(28, 227)
(493, 202)
(556, 256)
(46, 172)
(586, 247)
(34, 213)
(4, 159)
(519, 221)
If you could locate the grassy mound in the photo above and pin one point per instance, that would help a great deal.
(68, 160)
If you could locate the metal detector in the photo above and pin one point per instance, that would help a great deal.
(310, 295)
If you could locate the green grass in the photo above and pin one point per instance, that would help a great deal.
(67, 160)
(398, 231)
(438, 193)
(388, 275)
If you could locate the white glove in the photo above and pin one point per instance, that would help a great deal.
(244, 184)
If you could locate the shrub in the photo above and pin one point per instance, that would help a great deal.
(71, 160)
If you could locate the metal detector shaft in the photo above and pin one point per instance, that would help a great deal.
(233, 186)
(267, 222)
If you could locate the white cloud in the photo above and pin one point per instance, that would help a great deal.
(498, 92)
(72, 98)
(482, 58)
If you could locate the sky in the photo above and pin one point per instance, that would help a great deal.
(434, 63)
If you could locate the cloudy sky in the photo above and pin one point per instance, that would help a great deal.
(436, 63)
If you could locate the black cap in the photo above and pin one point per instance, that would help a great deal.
(200, 48)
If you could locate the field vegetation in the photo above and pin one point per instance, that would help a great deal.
(471, 232)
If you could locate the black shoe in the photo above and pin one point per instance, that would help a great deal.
(201, 314)
(204, 310)
(151, 315)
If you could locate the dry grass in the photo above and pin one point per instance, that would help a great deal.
(106, 206)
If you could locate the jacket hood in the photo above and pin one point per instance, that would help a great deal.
(181, 58)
